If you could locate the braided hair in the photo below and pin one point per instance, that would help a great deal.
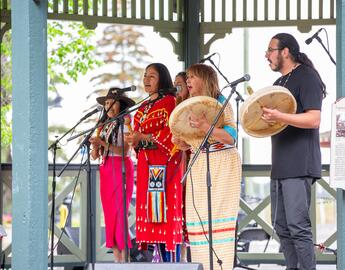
(288, 41)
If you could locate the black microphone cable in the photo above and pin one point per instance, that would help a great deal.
(219, 261)
(327, 39)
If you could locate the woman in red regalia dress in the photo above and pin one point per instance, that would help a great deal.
(159, 191)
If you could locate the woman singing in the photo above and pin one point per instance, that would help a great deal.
(225, 171)
(159, 191)
(108, 146)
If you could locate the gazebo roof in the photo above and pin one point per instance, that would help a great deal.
(168, 17)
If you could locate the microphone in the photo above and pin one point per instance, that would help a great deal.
(207, 58)
(309, 40)
(178, 88)
(115, 90)
(97, 109)
(245, 78)
(172, 90)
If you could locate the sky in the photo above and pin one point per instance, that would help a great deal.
(229, 59)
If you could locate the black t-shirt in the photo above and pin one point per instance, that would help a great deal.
(296, 151)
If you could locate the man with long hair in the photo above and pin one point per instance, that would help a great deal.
(296, 156)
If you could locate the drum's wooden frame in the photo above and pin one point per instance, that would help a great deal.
(273, 97)
(179, 118)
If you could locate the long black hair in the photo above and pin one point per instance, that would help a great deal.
(165, 81)
(288, 41)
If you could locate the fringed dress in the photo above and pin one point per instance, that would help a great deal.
(225, 168)
(159, 171)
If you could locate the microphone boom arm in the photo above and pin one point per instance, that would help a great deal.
(226, 79)
(208, 134)
(323, 46)
(316, 36)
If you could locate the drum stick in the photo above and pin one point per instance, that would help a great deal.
(127, 122)
(250, 90)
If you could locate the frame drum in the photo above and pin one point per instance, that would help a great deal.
(273, 97)
(179, 118)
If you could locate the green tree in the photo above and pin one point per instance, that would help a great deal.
(6, 97)
(122, 52)
(70, 54)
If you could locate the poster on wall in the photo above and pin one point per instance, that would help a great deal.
(337, 166)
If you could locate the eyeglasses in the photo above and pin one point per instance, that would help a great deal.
(270, 50)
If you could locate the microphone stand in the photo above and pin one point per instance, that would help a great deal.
(52, 213)
(121, 121)
(90, 200)
(124, 187)
(323, 46)
(238, 99)
(121, 114)
(90, 224)
(54, 147)
(206, 145)
(226, 79)
(120, 118)
(86, 143)
(91, 130)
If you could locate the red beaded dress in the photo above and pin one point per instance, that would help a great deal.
(158, 222)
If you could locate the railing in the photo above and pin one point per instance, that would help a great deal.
(72, 249)
(220, 17)
(217, 17)
(211, 10)
(254, 213)
(162, 10)
(139, 12)
(266, 10)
